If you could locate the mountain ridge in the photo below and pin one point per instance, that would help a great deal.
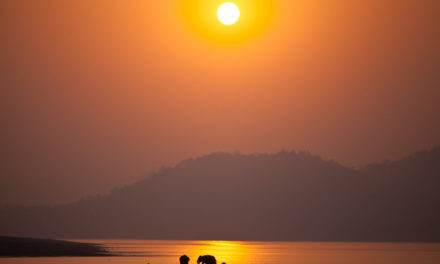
(283, 196)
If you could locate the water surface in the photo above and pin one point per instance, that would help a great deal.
(167, 252)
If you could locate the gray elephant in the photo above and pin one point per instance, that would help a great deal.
(207, 259)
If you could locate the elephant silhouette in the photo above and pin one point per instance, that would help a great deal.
(184, 259)
(207, 259)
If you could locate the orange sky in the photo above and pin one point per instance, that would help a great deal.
(96, 94)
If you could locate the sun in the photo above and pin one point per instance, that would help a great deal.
(228, 13)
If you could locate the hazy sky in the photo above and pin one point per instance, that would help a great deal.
(97, 93)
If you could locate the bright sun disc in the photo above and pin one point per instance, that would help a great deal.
(228, 13)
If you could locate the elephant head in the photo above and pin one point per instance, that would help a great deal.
(207, 259)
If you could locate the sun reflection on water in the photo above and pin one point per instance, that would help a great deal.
(224, 251)
(235, 252)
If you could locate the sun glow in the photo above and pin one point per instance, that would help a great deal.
(228, 21)
(228, 13)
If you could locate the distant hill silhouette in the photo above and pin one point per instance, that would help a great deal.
(283, 196)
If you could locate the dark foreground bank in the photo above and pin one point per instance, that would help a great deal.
(34, 247)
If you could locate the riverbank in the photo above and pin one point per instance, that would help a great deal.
(36, 247)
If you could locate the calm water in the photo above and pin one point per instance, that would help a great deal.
(167, 252)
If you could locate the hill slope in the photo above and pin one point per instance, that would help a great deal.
(284, 196)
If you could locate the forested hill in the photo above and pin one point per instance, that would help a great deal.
(283, 196)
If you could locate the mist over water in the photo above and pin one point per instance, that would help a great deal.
(232, 252)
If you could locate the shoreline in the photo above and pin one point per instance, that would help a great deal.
(39, 247)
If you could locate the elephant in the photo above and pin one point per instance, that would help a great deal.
(184, 259)
(207, 259)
